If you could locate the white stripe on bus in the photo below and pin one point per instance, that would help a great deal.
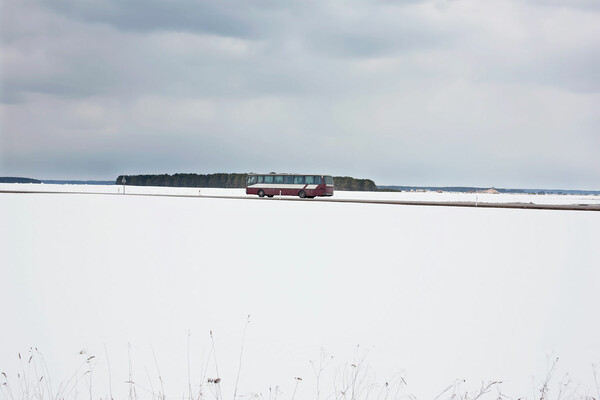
(281, 186)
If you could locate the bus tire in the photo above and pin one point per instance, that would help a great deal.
(302, 194)
(261, 193)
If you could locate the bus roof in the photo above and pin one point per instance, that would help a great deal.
(284, 173)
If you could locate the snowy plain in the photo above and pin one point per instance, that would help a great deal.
(429, 196)
(432, 294)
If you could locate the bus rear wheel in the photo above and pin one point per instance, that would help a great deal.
(302, 194)
(261, 193)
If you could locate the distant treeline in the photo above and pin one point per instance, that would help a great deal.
(14, 179)
(353, 184)
(473, 189)
(227, 181)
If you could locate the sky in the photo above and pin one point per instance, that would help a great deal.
(501, 93)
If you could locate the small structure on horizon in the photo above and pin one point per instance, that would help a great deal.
(489, 191)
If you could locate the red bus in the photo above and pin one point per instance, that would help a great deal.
(289, 185)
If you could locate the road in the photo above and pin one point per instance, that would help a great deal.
(527, 206)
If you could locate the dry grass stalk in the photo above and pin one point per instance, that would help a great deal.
(237, 379)
(352, 382)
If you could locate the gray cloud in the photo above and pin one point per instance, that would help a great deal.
(419, 92)
(590, 5)
(222, 18)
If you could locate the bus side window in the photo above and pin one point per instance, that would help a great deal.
(318, 180)
(261, 179)
(269, 179)
(298, 179)
(288, 179)
(278, 179)
(308, 179)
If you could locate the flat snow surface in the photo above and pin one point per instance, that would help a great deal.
(431, 293)
(397, 196)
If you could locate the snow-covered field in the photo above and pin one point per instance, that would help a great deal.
(396, 196)
(432, 293)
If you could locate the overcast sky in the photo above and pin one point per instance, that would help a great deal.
(501, 93)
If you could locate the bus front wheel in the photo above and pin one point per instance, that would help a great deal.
(302, 194)
(261, 193)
